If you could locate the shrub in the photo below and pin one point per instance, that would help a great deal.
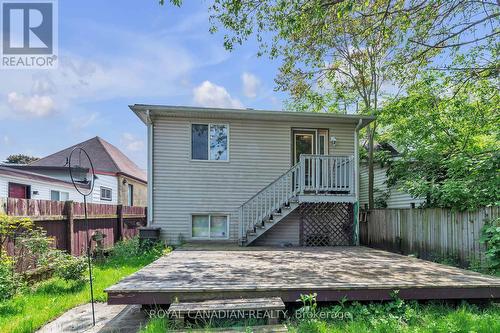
(70, 268)
(8, 279)
(490, 235)
(33, 249)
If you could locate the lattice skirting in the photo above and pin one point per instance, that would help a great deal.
(326, 224)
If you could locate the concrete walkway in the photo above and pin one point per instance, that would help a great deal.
(109, 318)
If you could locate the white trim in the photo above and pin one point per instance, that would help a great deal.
(150, 170)
(356, 159)
(208, 142)
(227, 216)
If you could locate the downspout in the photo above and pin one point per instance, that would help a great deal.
(356, 180)
(150, 168)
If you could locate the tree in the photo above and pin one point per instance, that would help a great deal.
(448, 137)
(339, 54)
(20, 159)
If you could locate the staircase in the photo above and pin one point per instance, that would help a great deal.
(315, 178)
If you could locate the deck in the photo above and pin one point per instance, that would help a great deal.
(358, 273)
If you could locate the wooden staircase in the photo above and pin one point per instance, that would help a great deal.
(315, 178)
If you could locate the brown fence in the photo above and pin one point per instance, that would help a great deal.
(64, 221)
(428, 233)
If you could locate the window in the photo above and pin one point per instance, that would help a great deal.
(130, 197)
(209, 142)
(106, 194)
(210, 226)
(59, 196)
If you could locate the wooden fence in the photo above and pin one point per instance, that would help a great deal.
(428, 233)
(64, 221)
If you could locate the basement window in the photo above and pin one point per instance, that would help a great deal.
(210, 142)
(209, 226)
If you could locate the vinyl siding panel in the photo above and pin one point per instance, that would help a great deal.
(286, 232)
(259, 152)
(397, 199)
(43, 188)
(105, 181)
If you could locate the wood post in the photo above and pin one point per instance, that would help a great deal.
(71, 227)
(119, 220)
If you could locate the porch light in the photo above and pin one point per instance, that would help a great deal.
(333, 140)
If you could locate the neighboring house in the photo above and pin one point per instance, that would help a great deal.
(16, 183)
(384, 196)
(254, 176)
(119, 180)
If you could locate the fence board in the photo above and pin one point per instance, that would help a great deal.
(429, 232)
(69, 231)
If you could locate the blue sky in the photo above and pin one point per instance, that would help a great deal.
(116, 53)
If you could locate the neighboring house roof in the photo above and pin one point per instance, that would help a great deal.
(11, 172)
(144, 111)
(382, 146)
(106, 159)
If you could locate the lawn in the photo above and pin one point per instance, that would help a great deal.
(32, 308)
(395, 316)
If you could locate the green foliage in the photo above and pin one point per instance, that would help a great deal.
(70, 268)
(20, 159)
(309, 305)
(449, 140)
(8, 281)
(490, 235)
(10, 226)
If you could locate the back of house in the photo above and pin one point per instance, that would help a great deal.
(253, 176)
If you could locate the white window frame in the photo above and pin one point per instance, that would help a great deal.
(208, 145)
(209, 224)
(59, 195)
(110, 193)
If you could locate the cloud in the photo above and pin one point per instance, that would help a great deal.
(34, 105)
(84, 121)
(251, 84)
(211, 95)
(132, 143)
(6, 140)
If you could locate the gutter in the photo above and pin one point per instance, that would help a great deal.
(150, 127)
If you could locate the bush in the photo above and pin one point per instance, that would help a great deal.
(8, 280)
(490, 235)
(70, 268)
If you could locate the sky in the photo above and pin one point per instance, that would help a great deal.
(116, 53)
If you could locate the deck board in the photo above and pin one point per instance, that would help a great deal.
(357, 272)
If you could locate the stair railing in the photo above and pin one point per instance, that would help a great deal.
(313, 174)
(269, 199)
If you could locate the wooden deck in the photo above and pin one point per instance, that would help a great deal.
(358, 273)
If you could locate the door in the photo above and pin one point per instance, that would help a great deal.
(304, 142)
(19, 191)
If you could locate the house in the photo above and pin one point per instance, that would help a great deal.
(119, 180)
(15, 183)
(384, 196)
(252, 176)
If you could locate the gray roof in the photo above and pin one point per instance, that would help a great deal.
(141, 110)
(106, 159)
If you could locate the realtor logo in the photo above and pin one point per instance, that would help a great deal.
(29, 34)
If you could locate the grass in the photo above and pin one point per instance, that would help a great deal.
(396, 316)
(32, 308)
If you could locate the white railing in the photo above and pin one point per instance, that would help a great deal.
(314, 174)
(326, 173)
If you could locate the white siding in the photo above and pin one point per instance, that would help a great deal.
(43, 188)
(260, 151)
(286, 232)
(105, 181)
(397, 199)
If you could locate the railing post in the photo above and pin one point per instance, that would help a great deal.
(302, 172)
